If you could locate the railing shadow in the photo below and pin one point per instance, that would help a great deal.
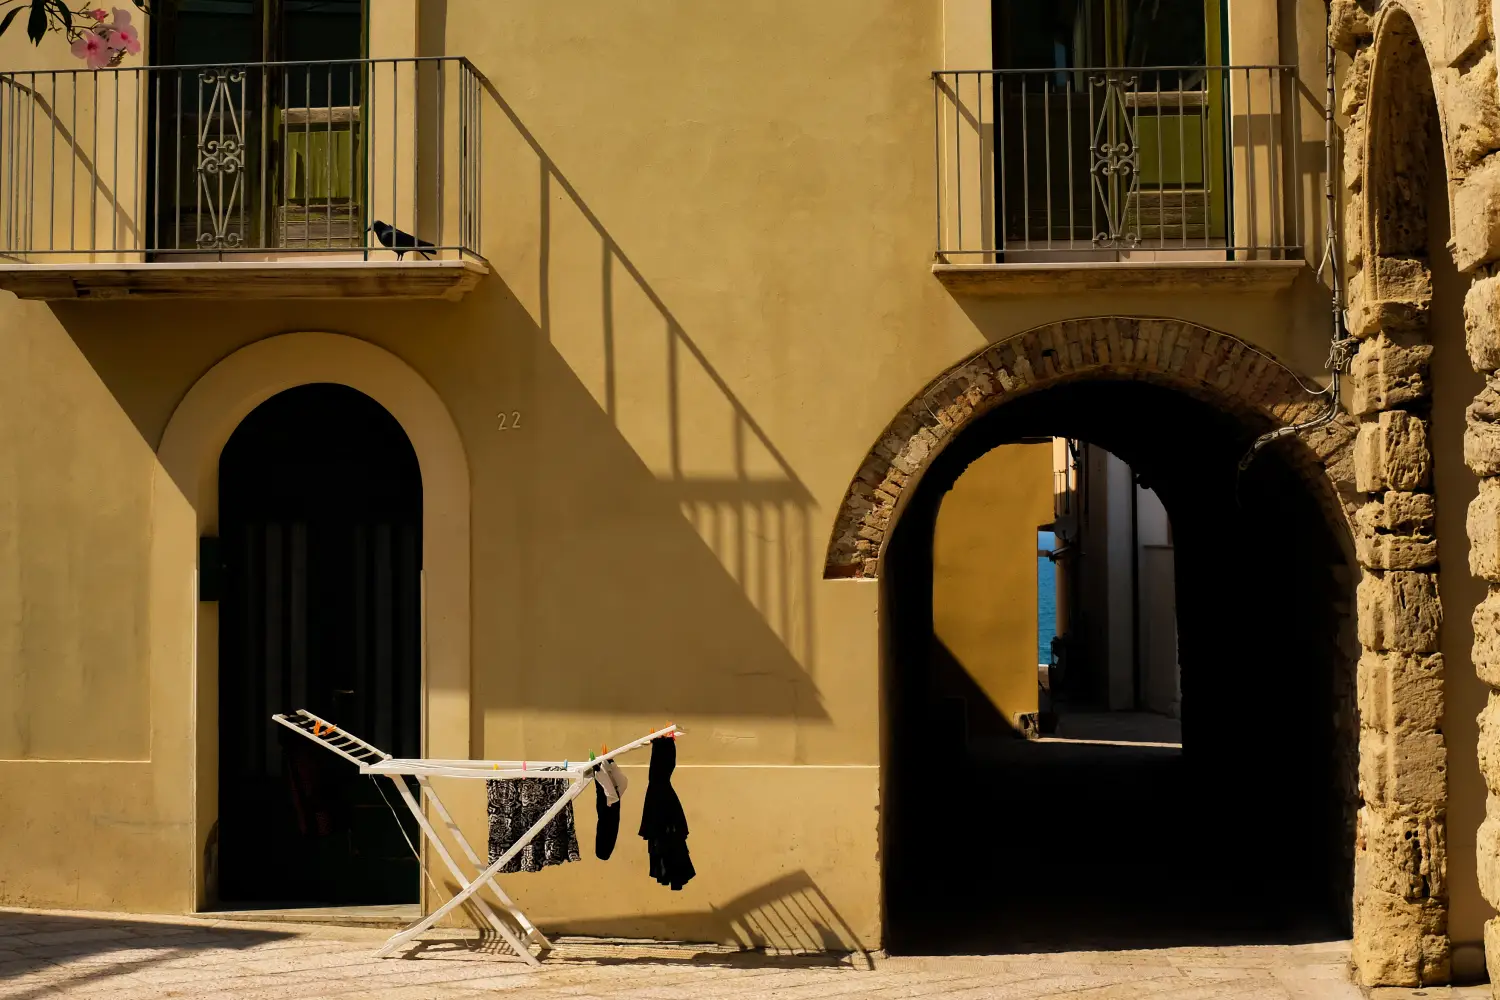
(788, 922)
(707, 450)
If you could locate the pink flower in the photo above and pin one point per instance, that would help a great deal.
(126, 39)
(91, 49)
(98, 13)
(121, 35)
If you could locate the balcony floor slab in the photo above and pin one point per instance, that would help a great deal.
(1077, 277)
(284, 279)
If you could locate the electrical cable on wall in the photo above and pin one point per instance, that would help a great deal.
(1341, 346)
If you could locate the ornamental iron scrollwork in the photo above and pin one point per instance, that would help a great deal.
(221, 158)
(1115, 164)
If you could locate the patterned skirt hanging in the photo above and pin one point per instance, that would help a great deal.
(515, 805)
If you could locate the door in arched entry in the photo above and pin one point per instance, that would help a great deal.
(320, 502)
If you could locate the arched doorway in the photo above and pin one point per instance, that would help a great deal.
(1245, 833)
(320, 519)
(1368, 478)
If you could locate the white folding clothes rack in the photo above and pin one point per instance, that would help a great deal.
(373, 761)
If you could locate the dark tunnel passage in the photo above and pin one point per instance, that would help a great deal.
(1243, 835)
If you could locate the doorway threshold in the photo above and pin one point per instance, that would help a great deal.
(393, 915)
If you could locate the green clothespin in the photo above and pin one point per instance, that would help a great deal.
(591, 756)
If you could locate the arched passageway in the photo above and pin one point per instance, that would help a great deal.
(1247, 832)
(320, 515)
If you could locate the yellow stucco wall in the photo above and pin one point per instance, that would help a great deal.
(984, 572)
(710, 227)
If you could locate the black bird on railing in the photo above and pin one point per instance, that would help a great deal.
(398, 240)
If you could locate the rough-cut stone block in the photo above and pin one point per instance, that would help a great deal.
(1391, 453)
(1466, 27)
(1398, 942)
(1396, 531)
(1380, 551)
(1388, 371)
(1403, 771)
(1354, 232)
(1357, 81)
(1473, 116)
(1487, 854)
(1482, 324)
(1399, 611)
(1492, 943)
(1348, 24)
(1390, 293)
(1400, 513)
(1354, 148)
(1402, 853)
(1489, 744)
(1400, 692)
(1484, 531)
(1485, 653)
(1476, 216)
(1482, 433)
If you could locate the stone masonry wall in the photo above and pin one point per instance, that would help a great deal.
(1410, 60)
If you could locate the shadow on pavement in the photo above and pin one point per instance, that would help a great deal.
(102, 947)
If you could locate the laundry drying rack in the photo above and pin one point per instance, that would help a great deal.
(377, 763)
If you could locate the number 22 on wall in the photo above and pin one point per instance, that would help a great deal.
(509, 421)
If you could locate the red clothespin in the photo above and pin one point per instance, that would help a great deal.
(523, 765)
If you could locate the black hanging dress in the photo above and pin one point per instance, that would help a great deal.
(663, 824)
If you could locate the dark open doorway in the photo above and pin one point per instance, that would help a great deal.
(320, 507)
(1246, 833)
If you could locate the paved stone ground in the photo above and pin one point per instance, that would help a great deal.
(74, 954)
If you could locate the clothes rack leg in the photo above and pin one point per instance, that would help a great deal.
(529, 929)
(401, 937)
(484, 907)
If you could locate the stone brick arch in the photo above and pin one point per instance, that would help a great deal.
(1215, 367)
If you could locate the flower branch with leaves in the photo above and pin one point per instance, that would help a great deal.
(100, 38)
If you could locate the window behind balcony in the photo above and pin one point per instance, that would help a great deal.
(262, 129)
(1109, 130)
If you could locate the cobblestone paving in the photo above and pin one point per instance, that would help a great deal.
(70, 954)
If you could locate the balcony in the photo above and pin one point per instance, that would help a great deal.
(258, 180)
(1068, 181)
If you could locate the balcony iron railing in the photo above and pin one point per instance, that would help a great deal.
(177, 162)
(1117, 163)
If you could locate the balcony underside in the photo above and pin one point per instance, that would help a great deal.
(286, 279)
(1073, 278)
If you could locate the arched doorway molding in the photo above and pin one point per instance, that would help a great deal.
(189, 453)
(1371, 476)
